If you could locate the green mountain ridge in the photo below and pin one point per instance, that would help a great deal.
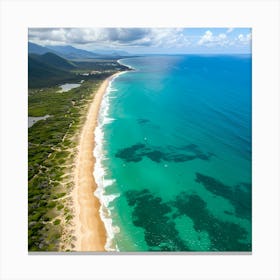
(41, 73)
(37, 49)
(71, 53)
(47, 68)
(54, 60)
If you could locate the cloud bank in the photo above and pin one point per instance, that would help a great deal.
(208, 39)
(165, 40)
(116, 36)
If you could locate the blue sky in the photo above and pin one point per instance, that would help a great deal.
(148, 40)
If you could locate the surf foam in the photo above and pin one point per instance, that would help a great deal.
(100, 170)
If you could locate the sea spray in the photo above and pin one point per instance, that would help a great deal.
(100, 171)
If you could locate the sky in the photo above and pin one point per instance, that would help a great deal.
(148, 40)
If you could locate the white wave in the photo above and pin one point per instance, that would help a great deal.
(108, 120)
(100, 171)
(108, 182)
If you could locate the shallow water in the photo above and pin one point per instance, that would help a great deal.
(33, 120)
(67, 87)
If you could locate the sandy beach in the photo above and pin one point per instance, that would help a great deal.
(90, 231)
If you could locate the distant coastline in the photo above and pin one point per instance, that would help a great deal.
(126, 65)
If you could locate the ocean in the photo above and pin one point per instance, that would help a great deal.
(174, 155)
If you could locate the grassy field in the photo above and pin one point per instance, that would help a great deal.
(52, 146)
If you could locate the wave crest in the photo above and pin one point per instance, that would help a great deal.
(100, 170)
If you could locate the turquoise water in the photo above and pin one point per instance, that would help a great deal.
(175, 162)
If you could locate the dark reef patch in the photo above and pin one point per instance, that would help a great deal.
(224, 236)
(240, 196)
(151, 214)
(143, 121)
(131, 154)
(157, 220)
(137, 152)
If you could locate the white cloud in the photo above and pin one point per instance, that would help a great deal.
(241, 37)
(229, 30)
(109, 36)
(208, 39)
(140, 38)
(244, 39)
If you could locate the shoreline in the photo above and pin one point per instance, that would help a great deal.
(90, 231)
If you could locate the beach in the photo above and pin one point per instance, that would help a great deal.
(90, 232)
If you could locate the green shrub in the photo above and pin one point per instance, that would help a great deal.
(59, 207)
(57, 222)
(52, 204)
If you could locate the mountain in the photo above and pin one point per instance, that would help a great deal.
(37, 49)
(46, 70)
(72, 53)
(55, 61)
(109, 52)
(68, 52)
(121, 53)
(48, 66)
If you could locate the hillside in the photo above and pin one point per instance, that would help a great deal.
(42, 74)
(37, 49)
(70, 52)
(54, 61)
(49, 68)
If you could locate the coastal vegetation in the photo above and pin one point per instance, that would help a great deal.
(53, 65)
(50, 69)
(52, 145)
